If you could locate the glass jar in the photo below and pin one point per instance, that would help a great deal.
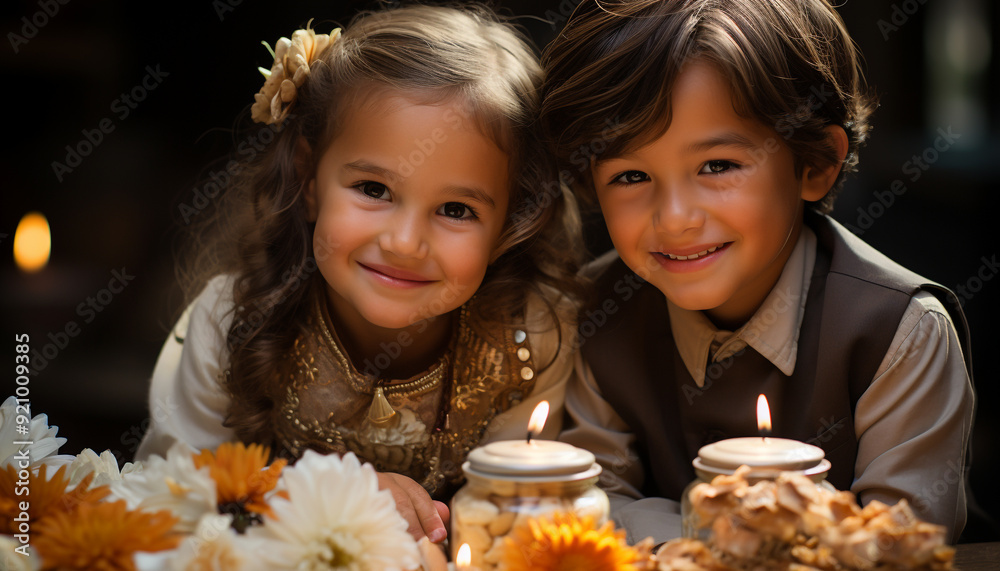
(766, 458)
(509, 482)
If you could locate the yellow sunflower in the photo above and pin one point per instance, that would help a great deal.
(103, 536)
(566, 542)
(241, 480)
(47, 495)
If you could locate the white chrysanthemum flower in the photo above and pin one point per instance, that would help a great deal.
(170, 483)
(104, 468)
(335, 518)
(44, 443)
(213, 546)
(11, 560)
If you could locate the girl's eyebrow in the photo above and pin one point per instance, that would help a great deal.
(371, 168)
(474, 193)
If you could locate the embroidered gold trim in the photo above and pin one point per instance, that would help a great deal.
(366, 385)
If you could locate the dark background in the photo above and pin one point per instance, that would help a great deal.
(934, 65)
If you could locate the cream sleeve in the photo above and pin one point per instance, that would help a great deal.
(186, 401)
(913, 424)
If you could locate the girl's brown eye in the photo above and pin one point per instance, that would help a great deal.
(373, 189)
(457, 210)
(630, 177)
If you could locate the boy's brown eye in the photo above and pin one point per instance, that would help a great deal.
(717, 167)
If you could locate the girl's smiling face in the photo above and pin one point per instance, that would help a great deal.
(409, 201)
(710, 211)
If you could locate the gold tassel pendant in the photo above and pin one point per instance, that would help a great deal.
(380, 413)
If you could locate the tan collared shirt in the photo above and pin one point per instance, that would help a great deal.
(910, 445)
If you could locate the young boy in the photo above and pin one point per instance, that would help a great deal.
(714, 134)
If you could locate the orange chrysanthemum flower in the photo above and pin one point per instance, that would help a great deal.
(102, 537)
(566, 542)
(47, 496)
(240, 478)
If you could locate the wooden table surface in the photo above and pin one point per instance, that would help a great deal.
(977, 557)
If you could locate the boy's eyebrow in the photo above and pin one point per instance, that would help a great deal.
(723, 140)
(475, 193)
(365, 166)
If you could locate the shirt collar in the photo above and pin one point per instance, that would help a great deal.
(772, 331)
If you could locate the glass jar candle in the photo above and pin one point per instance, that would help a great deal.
(511, 481)
(766, 457)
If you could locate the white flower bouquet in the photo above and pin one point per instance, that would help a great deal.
(221, 510)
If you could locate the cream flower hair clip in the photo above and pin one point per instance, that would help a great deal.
(292, 59)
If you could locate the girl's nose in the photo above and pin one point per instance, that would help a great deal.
(405, 235)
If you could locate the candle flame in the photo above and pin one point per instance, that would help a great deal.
(537, 421)
(464, 556)
(763, 414)
(32, 242)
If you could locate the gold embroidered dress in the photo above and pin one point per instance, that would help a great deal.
(443, 412)
(493, 377)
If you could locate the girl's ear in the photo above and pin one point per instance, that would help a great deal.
(303, 168)
(818, 180)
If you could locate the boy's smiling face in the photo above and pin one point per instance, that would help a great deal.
(710, 211)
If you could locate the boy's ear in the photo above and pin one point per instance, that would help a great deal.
(303, 164)
(818, 180)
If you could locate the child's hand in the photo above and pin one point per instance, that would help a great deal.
(426, 517)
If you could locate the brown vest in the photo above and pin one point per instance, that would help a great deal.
(855, 301)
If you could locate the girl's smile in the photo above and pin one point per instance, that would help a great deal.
(394, 277)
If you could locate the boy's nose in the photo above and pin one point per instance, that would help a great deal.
(678, 211)
(405, 236)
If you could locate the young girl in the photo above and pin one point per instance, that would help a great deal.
(396, 257)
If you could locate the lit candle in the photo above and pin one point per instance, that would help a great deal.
(763, 416)
(511, 480)
(531, 456)
(463, 561)
(32, 242)
(761, 452)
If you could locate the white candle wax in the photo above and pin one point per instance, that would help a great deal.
(762, 453)
(534, 458)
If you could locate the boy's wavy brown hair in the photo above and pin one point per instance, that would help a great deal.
(791, 65)
(435, 54)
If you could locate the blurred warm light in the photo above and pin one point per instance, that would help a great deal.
(463, 559)
(538, 416)
(763, 414)
(32, 242)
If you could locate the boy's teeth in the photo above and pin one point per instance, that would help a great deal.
(693, 256)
